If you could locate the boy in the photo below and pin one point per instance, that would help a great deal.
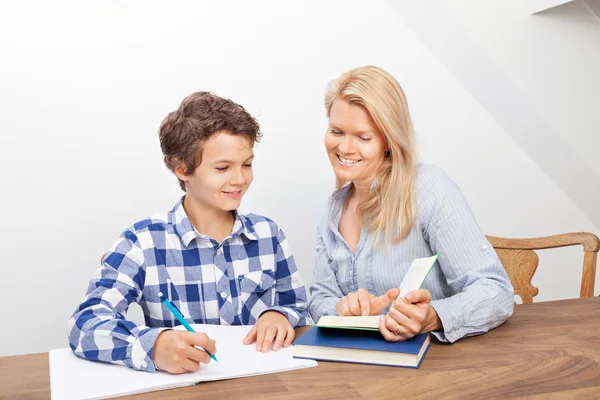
(215, 265)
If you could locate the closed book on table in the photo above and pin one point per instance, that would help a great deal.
(360, 346)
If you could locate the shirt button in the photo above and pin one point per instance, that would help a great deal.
(223, 295)
(485, 246)
(220, 251)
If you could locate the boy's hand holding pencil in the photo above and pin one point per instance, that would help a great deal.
(176, 351)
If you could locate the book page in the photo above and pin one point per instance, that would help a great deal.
(349, 322)
(72, 377)
(416, 274)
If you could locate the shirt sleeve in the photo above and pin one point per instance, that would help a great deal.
(290, 297)
(98, 329)
(484, 296)
(324, 291)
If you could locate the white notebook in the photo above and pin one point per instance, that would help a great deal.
(72, 377)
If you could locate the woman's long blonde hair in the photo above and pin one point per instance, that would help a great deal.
(389, 209)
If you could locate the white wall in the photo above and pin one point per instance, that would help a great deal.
(552, 61)
(553, 57)
(84, 87)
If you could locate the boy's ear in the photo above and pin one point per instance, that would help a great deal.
(179, 170)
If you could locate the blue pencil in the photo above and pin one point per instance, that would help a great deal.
(180, 318)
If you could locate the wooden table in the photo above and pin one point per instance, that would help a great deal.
(547, 350)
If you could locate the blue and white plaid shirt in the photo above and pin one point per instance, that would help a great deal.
(231, 283)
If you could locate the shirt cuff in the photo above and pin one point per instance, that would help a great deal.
(141, 350)
(451, 323)
(292, 315)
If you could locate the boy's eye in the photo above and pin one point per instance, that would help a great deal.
(221, 168)
(248, 165)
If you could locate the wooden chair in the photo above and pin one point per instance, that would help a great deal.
(520, 261)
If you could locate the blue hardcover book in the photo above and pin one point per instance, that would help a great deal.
(360, 346)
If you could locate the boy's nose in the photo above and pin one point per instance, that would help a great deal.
(238, 178)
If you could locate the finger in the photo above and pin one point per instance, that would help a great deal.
(353, 305)
(269, 336)
(410, 327)
(278, 342)
(251, 336)
(176, 370)
(393, 294)
(190, 365)
(380, 303)
(198, 339)
(344, 306)
(413, 311)
(418, 296)
(396, 328)
(202, 340)
(385, 332)
(289, 337)
(364, 298)
(261, 331)
(198, 355)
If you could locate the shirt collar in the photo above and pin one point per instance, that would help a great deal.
(243, 225)
(336, 202)
(186, 231)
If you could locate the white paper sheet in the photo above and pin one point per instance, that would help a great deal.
(72, 377)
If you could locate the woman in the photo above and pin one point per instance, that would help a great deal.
(388, 210)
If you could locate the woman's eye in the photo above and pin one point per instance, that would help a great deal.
(365, 139)
(333, 131)
(248, 165)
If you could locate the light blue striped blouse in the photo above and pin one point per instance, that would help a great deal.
(470, 289)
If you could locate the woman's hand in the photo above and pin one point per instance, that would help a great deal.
(174, 351)
(409, 316)
(362, 302)
(271, 331)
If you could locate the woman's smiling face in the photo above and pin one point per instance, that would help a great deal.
(355, 146)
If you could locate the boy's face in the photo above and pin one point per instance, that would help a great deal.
(224, 174)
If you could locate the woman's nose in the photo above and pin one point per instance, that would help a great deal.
(346, 146)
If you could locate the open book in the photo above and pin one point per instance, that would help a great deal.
(414, 278)
(72, 377)
(356, 339)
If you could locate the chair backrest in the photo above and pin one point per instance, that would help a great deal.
(520, 261)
